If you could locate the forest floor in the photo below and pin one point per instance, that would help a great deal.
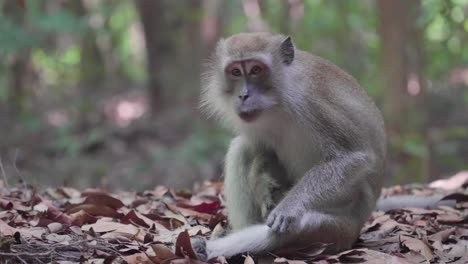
(65, 225)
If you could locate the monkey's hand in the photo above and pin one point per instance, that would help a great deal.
(284, 218)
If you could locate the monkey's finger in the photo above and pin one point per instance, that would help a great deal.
(270, 220)
(285, 224)
(277, 223)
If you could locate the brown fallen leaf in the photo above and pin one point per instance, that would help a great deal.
(55, 214)
(288, 261)
(58, 238)
(189, 212)
(82, 217)
(6, 230)
(351, 256)
(138, 258)
(105, 226)
(184, 246)
(54, 227)
(451, 183)
(249, 260)
(185, 260)
(442, 235)
(376, 257)
(136, 218)
(96, 210)
(417, 246)
(101, 198)
(304, 253)
(162, 251)
(450, 219)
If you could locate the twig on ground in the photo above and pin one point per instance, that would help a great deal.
(5, 180)
(23, 181)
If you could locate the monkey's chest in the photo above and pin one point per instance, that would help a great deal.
(298, 155)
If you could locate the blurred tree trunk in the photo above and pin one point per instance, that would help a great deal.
(285, 21)
(348, 40)
(292, 14)
(193, 45)
(253, 12)
(92, 65)
(417, 84)
(393, 36)
(405, 104)
(17, 66)
(157, 43)
(18, 72)
(212, 23)
(92, 68)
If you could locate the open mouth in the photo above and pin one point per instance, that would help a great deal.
(249, 116)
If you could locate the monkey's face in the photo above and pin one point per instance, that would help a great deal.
(243, 85)
(249, 88)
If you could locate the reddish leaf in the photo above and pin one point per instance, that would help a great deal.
(162, 251)
(189, 212)
(184, 246)
(82, 217)
(96, 210)
(215, 220)
(5, 204)
(209, 208)
(56, 215)
(101, 198)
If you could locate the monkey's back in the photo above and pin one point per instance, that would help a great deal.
(346, 103)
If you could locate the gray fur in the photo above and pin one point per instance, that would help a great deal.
(312, 161)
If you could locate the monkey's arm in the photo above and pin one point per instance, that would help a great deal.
(339, 186)
(240, 198)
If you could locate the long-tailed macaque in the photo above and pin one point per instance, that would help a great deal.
(307, 162)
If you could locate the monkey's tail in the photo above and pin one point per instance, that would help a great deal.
(401, 201)
(253, 239)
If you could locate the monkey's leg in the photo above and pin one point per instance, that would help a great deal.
(338, 227)
(264, 184)
(343, 191)
(268, 178)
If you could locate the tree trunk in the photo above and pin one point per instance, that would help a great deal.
(156, 40)
(394, 63)
(417, 85)
(92, 66)
(405, 105)
(212, 23)
(253, 12)
(18, 67)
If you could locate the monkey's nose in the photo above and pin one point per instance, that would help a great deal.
(243, 97)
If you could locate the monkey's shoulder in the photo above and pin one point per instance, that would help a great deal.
(324, 70)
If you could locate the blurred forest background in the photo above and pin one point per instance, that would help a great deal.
(104, 92)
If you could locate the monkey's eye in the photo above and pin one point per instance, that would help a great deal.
(256, 70)
(236, 72)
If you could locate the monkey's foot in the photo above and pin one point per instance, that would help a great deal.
(199, 246)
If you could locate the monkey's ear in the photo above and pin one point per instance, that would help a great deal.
(287, 50)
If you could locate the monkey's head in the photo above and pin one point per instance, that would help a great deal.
(243, 81)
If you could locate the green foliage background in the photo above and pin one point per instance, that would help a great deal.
(345, 32)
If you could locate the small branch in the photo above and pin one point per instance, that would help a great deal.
(19, 254)
(17, 170)
(5, 180)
